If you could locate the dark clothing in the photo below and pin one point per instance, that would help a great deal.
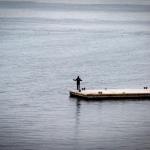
(78, 82)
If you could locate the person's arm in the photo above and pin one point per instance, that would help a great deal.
(80, 79)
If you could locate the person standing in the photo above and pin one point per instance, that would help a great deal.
(78, 82)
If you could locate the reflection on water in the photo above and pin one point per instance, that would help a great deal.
(77, 120)
(110, 124)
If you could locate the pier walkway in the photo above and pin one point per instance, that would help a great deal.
(112, 93)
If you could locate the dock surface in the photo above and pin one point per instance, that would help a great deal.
(111, 93)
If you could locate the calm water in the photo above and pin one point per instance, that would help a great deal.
(44, 46)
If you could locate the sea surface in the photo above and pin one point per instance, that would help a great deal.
(44, 46)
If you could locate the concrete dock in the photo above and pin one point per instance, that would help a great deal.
(112, 93)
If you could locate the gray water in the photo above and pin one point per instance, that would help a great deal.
(43, 46)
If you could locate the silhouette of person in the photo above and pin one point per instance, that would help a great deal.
(78, 82)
